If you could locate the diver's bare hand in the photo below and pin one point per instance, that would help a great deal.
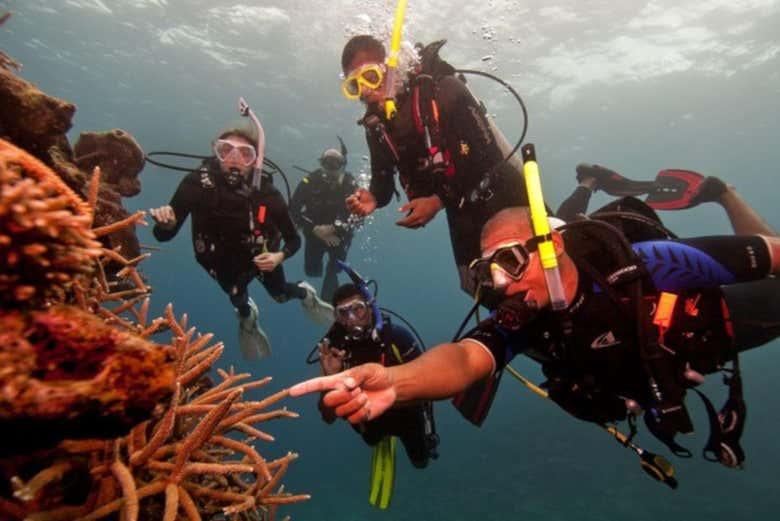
(420, 211)
(164, 216)
(358, 394)
(361, 203)
(268, 261)
(331, 358)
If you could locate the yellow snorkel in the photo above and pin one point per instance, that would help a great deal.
(392, 61)
(541, 227)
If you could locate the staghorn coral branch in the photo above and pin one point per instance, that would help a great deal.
(248, 503)
(28, 491)
(43, 173)
(249, 451)
(129, 493)
(188, 505)
(284, 463)
(142, 315)
(241, 416)
(171, 502)
(202, 368)
(92, 194)
(194, 353)
(172, 322)
(218, 392)
(204, 429)
(285, 500)
(216, 468)
(148, 490)
(161, 433)
(136, 218)
(219, 495)
(248, 429)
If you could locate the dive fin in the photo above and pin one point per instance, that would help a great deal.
(681, 189)
(611, 182)
(252, 339)
(382, 473)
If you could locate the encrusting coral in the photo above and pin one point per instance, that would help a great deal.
(193, 456)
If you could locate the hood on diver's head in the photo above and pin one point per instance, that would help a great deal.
(332, 160)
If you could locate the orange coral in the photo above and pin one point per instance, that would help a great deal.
(187, 459)
(45, 235)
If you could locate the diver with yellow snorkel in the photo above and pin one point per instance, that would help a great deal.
(426, 125)
(576, 301)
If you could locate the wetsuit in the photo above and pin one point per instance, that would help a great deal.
(601, 353)
(413, 424)
(319, 201)
(473, 152)
(230, 226)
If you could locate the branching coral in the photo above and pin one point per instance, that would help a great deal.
(45, 231)
(196, 456)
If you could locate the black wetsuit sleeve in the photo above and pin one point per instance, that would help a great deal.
(382, 184)
(182, 202)
(501, 344)
(292, 240)
(469, 137)
(298, 203)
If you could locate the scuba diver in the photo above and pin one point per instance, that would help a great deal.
(447, 153)
(363, 333)
(317, 207)
(239, 220)
(640, 325)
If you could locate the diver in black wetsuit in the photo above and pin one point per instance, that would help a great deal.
(350, 342)
(461, 170)
(239, 233)
(633, 336)
(317, 207)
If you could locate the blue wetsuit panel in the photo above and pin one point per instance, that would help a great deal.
(675, 266)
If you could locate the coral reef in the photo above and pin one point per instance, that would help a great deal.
(38, 123)
(188, 459)
(45, 231)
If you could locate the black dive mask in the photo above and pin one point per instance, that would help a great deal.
(513, 312)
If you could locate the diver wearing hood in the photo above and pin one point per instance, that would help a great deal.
(239, 233)
(317, 207)
(352, 341)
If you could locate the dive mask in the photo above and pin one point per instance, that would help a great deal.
(351, 313)
(224, 149)
(332, 160)
(368, 76)
(509, 261)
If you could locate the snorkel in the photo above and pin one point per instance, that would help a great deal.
(362, 287)
(257, 171)
(392, 61)
(541, 227)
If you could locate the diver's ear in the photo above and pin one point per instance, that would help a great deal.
(557, 239)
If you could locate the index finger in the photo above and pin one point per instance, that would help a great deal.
(323, 383)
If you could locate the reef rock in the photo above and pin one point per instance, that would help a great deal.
(31, 119)
(118, 155)
(65, 373)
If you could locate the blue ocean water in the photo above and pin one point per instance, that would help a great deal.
(638, 86)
